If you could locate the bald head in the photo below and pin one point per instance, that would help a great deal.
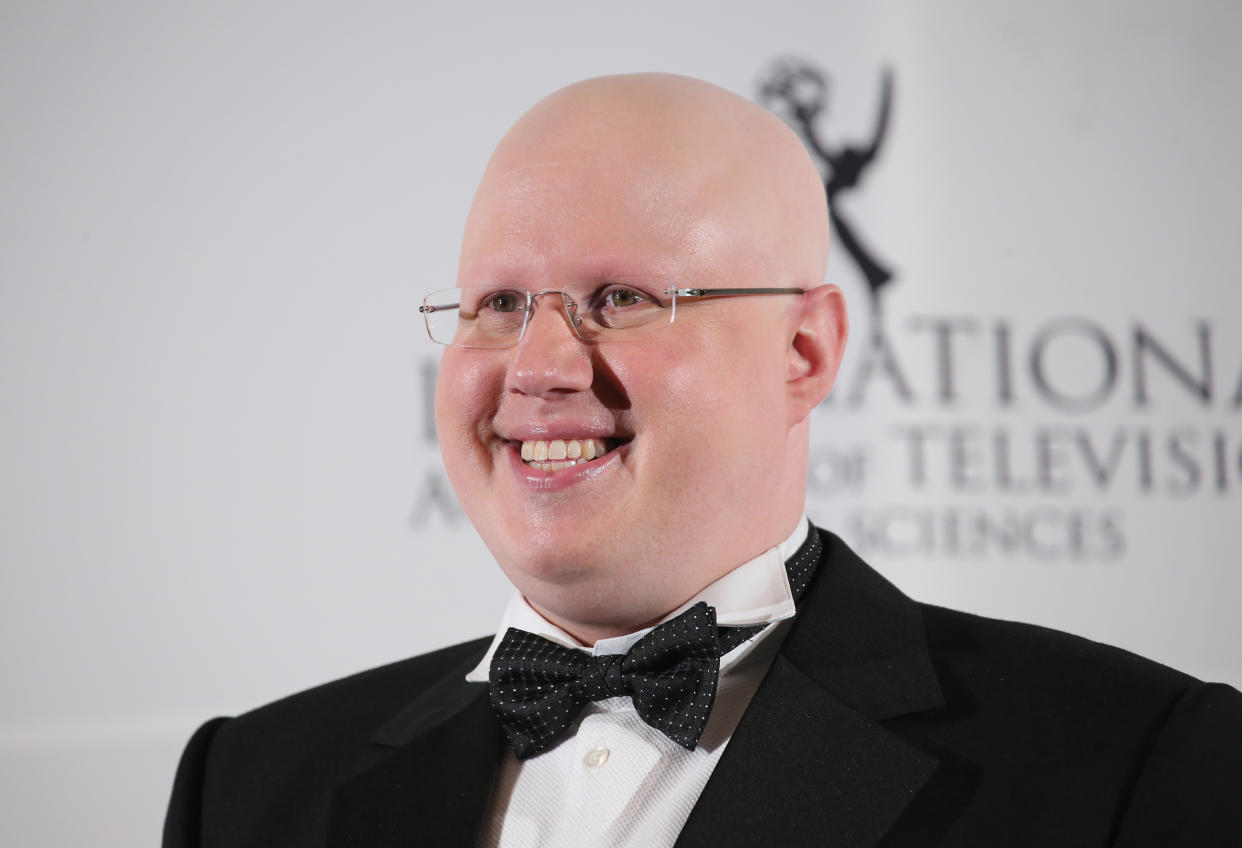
(683, 150)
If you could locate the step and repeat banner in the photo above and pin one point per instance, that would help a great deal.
(221, 476)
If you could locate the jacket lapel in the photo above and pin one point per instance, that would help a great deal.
(804, 769)
(426, 778)
(811, 762)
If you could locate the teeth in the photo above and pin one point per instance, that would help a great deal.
(561, 453)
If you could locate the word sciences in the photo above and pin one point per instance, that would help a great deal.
(1044, 533)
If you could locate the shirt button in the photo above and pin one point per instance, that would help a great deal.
(595, 758)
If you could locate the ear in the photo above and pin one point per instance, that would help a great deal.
(816, 345)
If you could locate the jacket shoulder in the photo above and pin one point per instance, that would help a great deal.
(1110, 741)
(266, 776)
(343, 712)
(997, 653)
(375, 690)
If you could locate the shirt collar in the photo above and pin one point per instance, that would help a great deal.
(756, 592)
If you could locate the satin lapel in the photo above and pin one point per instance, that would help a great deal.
(427, 777)
(811, 762)
(862, 640)
(804, 769)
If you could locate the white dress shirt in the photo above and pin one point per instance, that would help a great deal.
(612, 779)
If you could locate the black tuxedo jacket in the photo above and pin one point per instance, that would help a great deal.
(881, 722)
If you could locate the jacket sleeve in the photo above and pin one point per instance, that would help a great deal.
(1189, 788)
(183, 823)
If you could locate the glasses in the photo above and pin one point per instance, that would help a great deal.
(621, 309)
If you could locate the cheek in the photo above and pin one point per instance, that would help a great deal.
(468, 389)
(714, 399)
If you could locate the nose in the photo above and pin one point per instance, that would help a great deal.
(550, 358)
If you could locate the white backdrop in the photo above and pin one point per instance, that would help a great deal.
(217, 222)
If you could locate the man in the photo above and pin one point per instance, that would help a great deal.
(636, 343)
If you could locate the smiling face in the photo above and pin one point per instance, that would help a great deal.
(700, 448)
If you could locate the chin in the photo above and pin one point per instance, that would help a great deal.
(560, 564)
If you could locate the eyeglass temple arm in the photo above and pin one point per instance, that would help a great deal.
(710, 292)
(431, 307)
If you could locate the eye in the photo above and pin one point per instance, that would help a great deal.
(623, 298)
(504, 301)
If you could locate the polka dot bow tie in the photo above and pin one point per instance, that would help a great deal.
(538, 687)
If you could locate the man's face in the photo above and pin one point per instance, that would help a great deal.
(691, 415)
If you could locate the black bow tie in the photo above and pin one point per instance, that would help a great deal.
(538, 687)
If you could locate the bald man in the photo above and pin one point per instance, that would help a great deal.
(637, 338)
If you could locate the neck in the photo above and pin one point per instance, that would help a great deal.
(588, 633)
(606, 619)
